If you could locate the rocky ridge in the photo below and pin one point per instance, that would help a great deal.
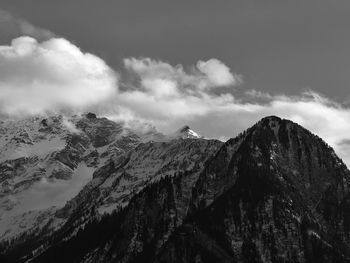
(54, 157)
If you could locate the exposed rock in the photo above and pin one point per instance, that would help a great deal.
(92, 158)
(62, 172)
(101, 131)
(91, 115)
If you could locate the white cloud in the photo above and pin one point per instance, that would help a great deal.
(54, 74)
(168, 97)
(217, 73)
(159, 91)
(205, 75)
(70, 126)
(160, 88)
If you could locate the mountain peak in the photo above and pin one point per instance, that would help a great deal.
(185, 128)
(90, 115)
(272, 118)
(271, 121)
(185, 132)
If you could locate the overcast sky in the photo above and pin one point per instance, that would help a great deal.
(218, 66)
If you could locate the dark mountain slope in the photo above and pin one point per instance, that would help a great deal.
(285, 199)
(115, 184)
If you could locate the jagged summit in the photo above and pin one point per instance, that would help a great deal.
(271, 118)
(273, 122)
(58, 152)
(90, 115)
(185, 132)
(184, 128)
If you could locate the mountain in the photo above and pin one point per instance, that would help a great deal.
(275, 193)
(45, 162)
(186, 133)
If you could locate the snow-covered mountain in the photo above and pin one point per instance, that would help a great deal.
(45, 162)
(186, 133)
(275, 193)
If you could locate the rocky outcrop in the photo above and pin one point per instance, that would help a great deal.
(38, 154)
(101, 131)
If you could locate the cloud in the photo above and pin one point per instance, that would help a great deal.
(12, 26)
(55, 74)
(218, 73)
(70, 126)
(320, 115)
(204, 75)
(157, 91)
(168, 96)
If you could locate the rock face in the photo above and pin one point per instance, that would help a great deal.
(275, 193)
(45, 162)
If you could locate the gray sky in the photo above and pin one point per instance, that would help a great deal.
(279, 46)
